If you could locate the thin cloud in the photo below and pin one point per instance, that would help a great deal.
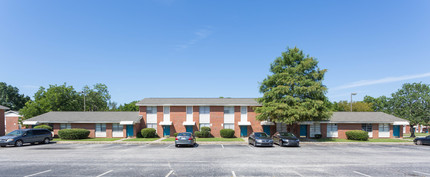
(381, 81)
(198, 36)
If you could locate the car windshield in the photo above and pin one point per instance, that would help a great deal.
(261, 135)
(15, 133)
(286, 134)
(184, 134)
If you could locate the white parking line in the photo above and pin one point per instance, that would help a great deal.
(422, 173)
(234, 174)
(297, 173)
(168, 174)
(361, 174)
(222, 146)
(104, 173)
(169, 146)
(251, 147)
(38, 173)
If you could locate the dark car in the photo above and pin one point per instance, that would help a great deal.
(19, 137)
(422, 140)
(285, 139)
(260, 139)
(185, 138)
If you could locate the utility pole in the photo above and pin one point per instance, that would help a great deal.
(351, 99)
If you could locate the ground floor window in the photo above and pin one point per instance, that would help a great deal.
(367, 128)
(117, 130)
(229, 126)
(65, 126)
(205, 125)
(100, 130)
(152, 125)
(332, 130)
(315, 128)
(384, 130)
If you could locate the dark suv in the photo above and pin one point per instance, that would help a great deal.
(19, 137)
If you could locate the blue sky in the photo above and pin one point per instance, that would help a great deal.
(172, 48)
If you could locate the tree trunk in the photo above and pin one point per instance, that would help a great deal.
(411, 128)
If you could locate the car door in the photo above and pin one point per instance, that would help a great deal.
(28, 136)
(427, 140)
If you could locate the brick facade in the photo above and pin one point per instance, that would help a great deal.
(2, 119)
(12, 123)
(92, 128)
(343, 128)
(216, 120)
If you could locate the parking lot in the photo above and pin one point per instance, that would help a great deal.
(215, 160)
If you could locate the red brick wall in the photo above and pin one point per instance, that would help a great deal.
(375, 130)
(108, 130)
(196, 118)
(12, 123)
(178, 115)
(255, 124)
(236, 121)
(216, 119)
(142, 125)
(2, 126)
(56, 127)
(90, 127)
(159, 119)
(323, 130)
(391, 131)
(342, 128)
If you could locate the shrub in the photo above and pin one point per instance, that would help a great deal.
(205, 134)
(357, 135)
(227, 133)
(205, 129)
(198, 134)
(148, 133)
(138, 134)
(73, 134)
(175, 134)
(318, 136)
(44, 127)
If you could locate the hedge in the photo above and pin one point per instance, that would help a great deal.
(205, 129)
(73, 134)
(226, 133)
(148, 133)
(205, 132)
(175, 134)
(357, 135)
(44, 127)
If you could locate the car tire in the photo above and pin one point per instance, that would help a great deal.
(419, 142)
(18, 143)
(46, 141)
(280, 143)
(176, 145)
(3, 146)
(255, 144)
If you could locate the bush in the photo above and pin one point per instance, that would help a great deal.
(205, 134)
(318, 136)
(73, 134)
(357, 135)
(175, 134)
(44, 127)
(227, 133)
(148, 133)
(205, 129)
(198, 134)
(138, 134)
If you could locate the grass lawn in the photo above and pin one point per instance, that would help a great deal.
(370, 140)
(209, 139)
(416, 134)
(90, 139)
(142, 139)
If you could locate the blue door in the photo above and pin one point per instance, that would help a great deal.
(130, 130)
(189, 128)
(243, 131)
(303, 130)
(396, 130)
(166, 130)
(266, 129)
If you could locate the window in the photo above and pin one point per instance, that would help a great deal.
(100, 130)
(332, 130)
(65, 126)
(117, 130)
(205, 125)
(189, 114)
(229, 126)
(204, 114)
(244, 114)
(152, 125)
(151, 114)
(384, 130)
(166, 113)
(228, 114)
(315, 128)
(366, 127)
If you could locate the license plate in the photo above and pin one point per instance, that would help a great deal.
(182, 138)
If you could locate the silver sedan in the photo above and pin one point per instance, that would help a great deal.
(185, 138)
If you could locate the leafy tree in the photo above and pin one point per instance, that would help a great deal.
(96, 98)
(10, 97)
(380, 104)
(55, 98)
(294, 92)
(359, 106)
(129, 107)
(412, 102)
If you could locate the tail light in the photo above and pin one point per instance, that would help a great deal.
(176, 138)
(191, 138)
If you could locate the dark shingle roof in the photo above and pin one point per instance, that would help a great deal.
(198, 102)
(86, 117)
(364, 117)
(3, 107)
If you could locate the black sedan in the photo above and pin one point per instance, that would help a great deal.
(423, 140)
(260, 139)
(286, 139)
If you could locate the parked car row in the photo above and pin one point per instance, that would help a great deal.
(280, 138)
(20, 137)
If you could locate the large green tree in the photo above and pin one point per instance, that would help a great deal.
(412, 102)
(380, 104)
(129, 107)
(10, 97)
(97, 98)
(294, 91)
(358, 106)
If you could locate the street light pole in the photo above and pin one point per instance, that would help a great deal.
(84, 99)
(351, 99)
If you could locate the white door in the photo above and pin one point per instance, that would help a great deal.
(100, 130)
(332, 130)
(315, 129)
(117, 130)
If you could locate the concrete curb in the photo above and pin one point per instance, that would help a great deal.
(225, 142)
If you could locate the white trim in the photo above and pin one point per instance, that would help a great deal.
(189, 123)
(401, 123)
(267, 123)
(166, 123)
(244, 123)
(126, 123)
(306, 123)
(30, 122)
(12, 114)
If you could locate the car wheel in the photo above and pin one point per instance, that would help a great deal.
(280, 143)
(255, 145)
(18, 143)
(176, 145)
(419, 142)
(46, 141)
(3, 146)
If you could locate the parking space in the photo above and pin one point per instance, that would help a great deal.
(214, 160)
